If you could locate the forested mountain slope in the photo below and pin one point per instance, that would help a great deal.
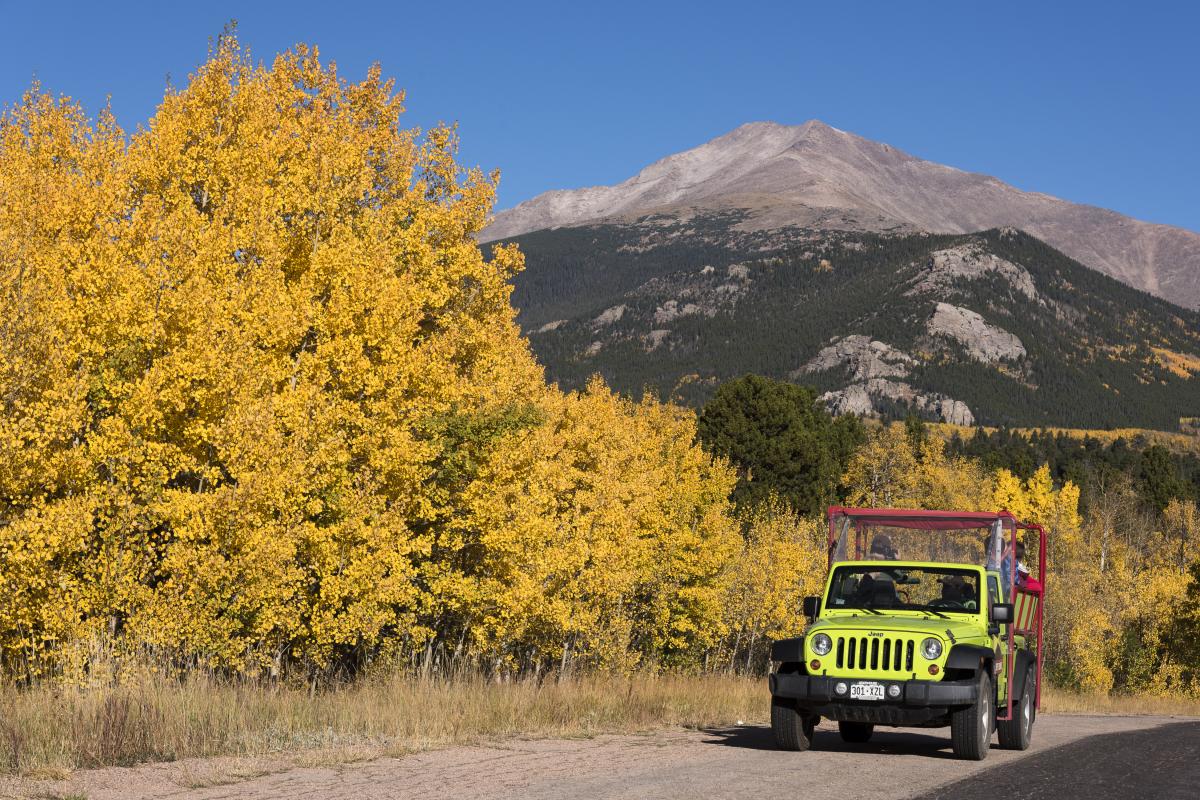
(988, 328)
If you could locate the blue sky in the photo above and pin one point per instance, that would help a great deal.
(1094, 102)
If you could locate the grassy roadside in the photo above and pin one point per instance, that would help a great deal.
(48, 731)
(52, 731)
(1057, 701)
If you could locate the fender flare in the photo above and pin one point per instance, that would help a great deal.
(788, 650)
(1021, 664)
(969, 656)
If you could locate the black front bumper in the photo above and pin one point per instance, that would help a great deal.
(918, 701)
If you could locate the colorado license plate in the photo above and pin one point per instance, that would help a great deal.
(866, 691)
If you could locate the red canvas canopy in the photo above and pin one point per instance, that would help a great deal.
(924, 520)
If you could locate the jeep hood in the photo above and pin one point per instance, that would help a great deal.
(959, 628)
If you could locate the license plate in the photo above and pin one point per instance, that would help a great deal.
(866, 691)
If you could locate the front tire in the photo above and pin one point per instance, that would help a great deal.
(1017, 733)
(971, 727)
(793, 730)
(856, 732)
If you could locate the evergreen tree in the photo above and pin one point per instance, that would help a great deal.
(782, 441)
(1160, 483)
(1183, 636)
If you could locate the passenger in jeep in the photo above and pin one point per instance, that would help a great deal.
(878, 588)
(954, 589)
(1022, 569)
(881, 549)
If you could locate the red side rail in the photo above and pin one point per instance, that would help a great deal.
(1027, 622)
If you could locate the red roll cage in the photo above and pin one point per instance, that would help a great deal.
(1028, 597)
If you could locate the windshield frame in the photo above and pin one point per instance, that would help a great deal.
(979, 575)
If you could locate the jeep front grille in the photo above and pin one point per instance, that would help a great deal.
(874, 654)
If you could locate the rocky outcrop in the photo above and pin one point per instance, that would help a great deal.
(860, 399)
(955, 412)
(655, 338)
(983, 341)
(969, 262)
(861, 357)
(672, 309)
(609, 316)
(551, 326)
(870, 364)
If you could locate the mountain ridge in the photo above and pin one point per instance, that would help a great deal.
(993, 327)
(816, 176)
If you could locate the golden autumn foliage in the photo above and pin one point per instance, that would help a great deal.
(266, 411)
(892, 470)
(229, 342)
(780, 560)
(602, 534)
(266, 407)
(1125, 574)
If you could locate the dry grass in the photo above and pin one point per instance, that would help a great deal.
(47, 731)
(1058, 701)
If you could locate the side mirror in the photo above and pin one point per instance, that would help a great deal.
(812, 607)
(1002, 613)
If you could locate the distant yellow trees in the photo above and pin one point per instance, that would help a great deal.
(895, 470)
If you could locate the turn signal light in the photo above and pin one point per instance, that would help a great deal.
(933, 669)
(816, 665)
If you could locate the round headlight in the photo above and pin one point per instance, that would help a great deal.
(822, 644)
(931, 648)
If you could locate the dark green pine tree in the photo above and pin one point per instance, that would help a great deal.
(781, 440)
(1160, 482)
(1183, 634)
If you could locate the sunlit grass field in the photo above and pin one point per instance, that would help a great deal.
(1058, 701)
(51, 731)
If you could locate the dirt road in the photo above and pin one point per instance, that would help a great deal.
(1072, 756)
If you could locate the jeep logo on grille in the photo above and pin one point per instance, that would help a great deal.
(873, 633)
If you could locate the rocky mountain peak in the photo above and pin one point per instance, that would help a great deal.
(815, 176)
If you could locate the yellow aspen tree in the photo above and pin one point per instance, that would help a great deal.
(882, 471)
(1183, 530)
(604, 531)
(782, 560)
(230, 344)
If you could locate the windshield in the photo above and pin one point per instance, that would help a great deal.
(883, 586)
(983, 545)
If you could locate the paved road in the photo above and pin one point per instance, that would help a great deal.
(1162, 763)
(1072, 757)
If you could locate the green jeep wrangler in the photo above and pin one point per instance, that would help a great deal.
(951, 639)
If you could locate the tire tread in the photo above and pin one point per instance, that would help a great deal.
(968, 741)
(1012, 733)
(792, 730)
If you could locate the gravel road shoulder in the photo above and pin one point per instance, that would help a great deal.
(728, 763)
